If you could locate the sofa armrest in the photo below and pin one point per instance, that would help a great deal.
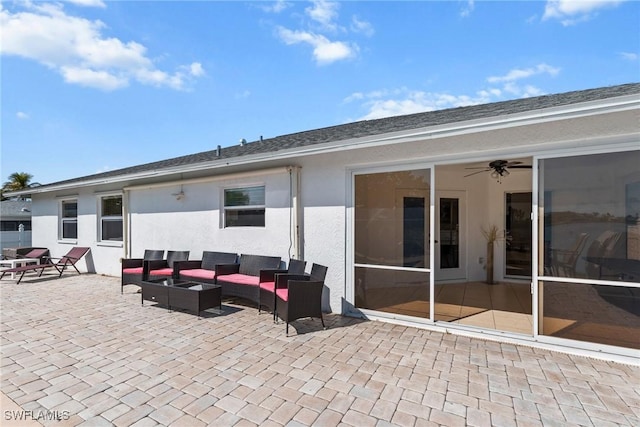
(186, 265)
(132, 262)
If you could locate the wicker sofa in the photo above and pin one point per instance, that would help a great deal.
(203, 270)
(242, 279)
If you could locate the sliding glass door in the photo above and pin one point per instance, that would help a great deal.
(392, 242)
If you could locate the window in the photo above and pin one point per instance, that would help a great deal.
(244, 207)
(68, 219)
(111, 218)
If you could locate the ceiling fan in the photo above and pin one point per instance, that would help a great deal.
(499, 168)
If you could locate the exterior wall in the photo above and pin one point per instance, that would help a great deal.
(158, 220)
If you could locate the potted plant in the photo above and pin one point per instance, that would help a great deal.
(491, 234)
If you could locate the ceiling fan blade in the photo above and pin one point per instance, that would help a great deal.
(477, 172)
(520, 167)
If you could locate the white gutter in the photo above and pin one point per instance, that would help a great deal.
(261, 172)
(624, 103)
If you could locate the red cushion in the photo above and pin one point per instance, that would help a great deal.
(283, 294)
(269, 286)
(162, 272)
(199, 273)
(134, 270)
(240, 279)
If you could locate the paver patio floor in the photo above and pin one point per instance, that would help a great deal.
(76, 348)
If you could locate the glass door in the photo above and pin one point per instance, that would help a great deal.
(391, 231)
(517, 246)
(451, 261)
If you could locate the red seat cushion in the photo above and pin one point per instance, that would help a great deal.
(199, 273)
(269, 286)
(134, 270)
(283, 294)
(162, 272)
(240, 279)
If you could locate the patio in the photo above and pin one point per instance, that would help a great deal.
(77, 349)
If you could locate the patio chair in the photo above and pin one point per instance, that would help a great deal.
(132, 267)
(604, 247)
(564, 261)
(68, 260)
(157, 269)
(42, 254)
(301, 296)
(267, 283)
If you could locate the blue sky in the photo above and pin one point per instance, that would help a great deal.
(90, 86)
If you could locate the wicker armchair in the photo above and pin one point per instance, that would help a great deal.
(267, 284)
(204, 270)
(157, 269)
(298, 297)
(132, 267)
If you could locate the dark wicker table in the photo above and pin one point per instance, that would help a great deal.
(179, 294)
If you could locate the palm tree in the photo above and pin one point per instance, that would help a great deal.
(18, 181)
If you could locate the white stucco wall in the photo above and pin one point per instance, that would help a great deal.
(159, 220)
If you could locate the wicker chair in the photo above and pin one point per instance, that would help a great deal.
(298, 297)
(267, 284)
(204, 270)
(132, 267)
(157, 269)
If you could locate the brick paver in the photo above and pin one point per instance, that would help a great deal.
(76, 348)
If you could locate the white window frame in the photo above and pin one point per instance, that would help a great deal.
(226, 208)
(101, 218)
(62, 220)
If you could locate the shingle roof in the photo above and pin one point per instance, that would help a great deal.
(15, 209)
(373, 127)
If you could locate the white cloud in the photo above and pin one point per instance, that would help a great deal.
(88, 3)
(325, 51)
(22, 115)
(466, 11)
(388, 103)
(243, 95)
(324, 12)
(324, 16)
(400, 101)
(275, 7)
(629, 56)
(196, 70)
(571, 12)
(77, 49)
(362, 27)
(519, 73)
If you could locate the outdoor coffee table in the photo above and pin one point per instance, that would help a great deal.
(186, 295)
(13, 263)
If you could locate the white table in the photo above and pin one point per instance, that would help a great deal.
(12, 263)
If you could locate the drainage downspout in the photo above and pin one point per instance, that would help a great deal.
(126, 235)
(295, 231)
